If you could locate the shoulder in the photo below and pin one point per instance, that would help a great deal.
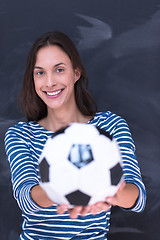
(16, 133)
(26, 131)
(108, 120)
(31, 127)
(115, 125)
(19, 129)
(107, 115)
(26, 134)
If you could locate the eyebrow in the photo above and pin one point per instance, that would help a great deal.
(56, 65)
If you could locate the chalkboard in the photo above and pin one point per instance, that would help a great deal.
(119, 43)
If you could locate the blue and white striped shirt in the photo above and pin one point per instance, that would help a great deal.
(24, 144)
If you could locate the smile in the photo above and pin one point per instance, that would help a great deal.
(53, 93)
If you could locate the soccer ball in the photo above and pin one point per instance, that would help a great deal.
(80, 165)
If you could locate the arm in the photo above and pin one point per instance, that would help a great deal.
(24, 169)
(131, 170)
(126, 196)
(40, 197)
(24, 173)
(131, 195)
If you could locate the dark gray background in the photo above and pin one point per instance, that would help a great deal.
(119, 42)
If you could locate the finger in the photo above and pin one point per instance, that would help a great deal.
(85, 210)
(122, 186)
(93, 210)
(103, 206)
(96, 208)
(99, 207)
(61, 208)
(111, 200)
(75, 211)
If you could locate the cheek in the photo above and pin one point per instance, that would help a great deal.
(36, 83)
(36, 86)
(73, 79)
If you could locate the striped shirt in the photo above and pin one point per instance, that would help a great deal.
(24, 143)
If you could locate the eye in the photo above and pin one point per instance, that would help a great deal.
(39, 73)
(59, 70)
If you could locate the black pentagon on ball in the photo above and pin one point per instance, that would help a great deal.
(78, 198)
(116, 174)
(44, 170)
(103, 132)
(60, 131)
(80, 155)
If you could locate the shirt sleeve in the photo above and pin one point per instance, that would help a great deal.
(131, 167)
(23, 169)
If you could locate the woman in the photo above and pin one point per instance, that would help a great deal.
(55, 94)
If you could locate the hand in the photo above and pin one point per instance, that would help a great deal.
(125, 197)
(93, 209)
(114, 201)
(74, 212)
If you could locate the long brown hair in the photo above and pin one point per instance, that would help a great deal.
(31, 104)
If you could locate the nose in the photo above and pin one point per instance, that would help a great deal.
(50, 80)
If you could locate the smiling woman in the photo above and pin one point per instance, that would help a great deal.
(39, 60)
(55, 94)
(39, 72)
(54, 80)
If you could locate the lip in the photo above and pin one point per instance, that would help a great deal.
(53, 94)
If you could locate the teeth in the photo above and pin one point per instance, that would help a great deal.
(53, 93)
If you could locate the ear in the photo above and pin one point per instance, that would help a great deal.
(77, 74)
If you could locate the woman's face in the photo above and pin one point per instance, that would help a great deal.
(54, 77)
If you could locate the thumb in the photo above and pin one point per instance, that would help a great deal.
(112, 200)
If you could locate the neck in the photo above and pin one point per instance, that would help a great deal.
(56, 120)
